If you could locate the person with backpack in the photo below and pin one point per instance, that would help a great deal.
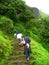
(27, 47)
(18, 36)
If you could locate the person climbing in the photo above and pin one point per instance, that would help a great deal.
(18, 36)
(27, 47)
(15, 33)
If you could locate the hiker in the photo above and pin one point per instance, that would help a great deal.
(15, 35)
(27, 47)
(18, 36)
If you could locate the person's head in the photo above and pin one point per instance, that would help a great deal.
(26, 34)
(17, 32)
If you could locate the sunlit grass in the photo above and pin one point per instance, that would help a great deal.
(5, 47)
(39, 53)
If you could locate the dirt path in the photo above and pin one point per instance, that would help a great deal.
(17, 57)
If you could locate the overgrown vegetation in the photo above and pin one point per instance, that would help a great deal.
(39, 54)
(5, 48)
(15, 15)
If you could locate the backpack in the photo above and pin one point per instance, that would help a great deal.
(22, 42)
(27, 45)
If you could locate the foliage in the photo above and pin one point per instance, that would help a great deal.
(45, 32)
(15, 9)
(39, 54)
(15, 15)
(11, 63)
(6, 24)
(5, 47)
(20, 27)
(40, 28)
(11, 8)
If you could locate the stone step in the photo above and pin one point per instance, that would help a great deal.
(19, 62)
(17, 56)
(18, 53)
(18, 49)
(20, 57)
(15, 61)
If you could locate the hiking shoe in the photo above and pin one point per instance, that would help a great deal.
(27, 59)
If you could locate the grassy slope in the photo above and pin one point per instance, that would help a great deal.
(4, 38)
(40, 54)
(5, 47)
(43, 15)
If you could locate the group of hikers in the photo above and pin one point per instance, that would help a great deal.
(25, 42)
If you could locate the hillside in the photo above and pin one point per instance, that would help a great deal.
(43, 15)
(39, 53)
(15, 15)
(5, 47)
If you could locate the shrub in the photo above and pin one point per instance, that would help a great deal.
(6, 24)
(5, 47)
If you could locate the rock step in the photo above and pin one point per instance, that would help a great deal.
(19, 57)
(18, 53)
(16, 61)
(18, 49)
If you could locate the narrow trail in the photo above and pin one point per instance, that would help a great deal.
(17, 57)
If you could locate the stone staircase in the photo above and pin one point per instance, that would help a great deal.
(17, 57)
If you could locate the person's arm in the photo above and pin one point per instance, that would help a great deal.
(29, 40)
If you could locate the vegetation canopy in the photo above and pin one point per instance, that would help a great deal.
(16, 15)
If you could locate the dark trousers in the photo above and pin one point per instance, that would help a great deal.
(19, 40)
(27, 53)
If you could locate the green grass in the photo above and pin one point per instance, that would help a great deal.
(4, 39)
(43, 15)
(5, 48)
(39, 53)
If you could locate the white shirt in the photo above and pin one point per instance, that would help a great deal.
(19, 36)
